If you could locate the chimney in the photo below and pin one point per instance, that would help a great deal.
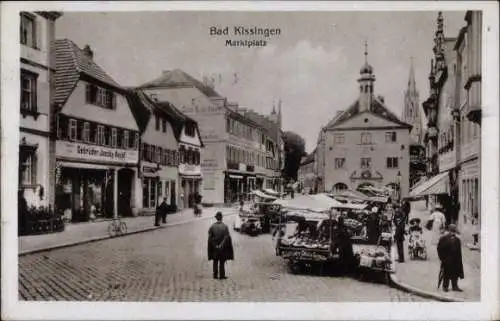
(88, 52)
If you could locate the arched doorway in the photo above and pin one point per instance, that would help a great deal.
(339, 187)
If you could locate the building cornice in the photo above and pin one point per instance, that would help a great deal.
(35, 131)
(35, 64)
(52, 15)
(367, 128)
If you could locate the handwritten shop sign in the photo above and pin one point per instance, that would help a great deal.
(96, 153)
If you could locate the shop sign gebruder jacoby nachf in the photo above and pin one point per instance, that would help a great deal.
(86, 152)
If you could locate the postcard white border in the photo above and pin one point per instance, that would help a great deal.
(484, 310)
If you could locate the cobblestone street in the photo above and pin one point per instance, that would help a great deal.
(170, 265)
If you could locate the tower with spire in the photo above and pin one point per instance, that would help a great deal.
(411, 108)
(366, 84)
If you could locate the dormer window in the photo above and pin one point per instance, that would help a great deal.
(99, 96)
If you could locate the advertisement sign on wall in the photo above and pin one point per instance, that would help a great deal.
(96, 153)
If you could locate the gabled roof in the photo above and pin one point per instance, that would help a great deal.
(271, 127)
(377, 108)
(70, 64)
(178, 78)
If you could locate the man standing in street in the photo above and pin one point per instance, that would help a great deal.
(164, 210)
(220, 247)
(399, 233)
(450, 253)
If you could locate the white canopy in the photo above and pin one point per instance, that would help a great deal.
(263, 195)
(314, 203)
(271, 192)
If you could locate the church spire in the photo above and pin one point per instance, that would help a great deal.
(411, 79)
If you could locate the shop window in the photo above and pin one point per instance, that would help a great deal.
(366, 163)
(28, 91)
(72, 129)
(28, 34)
(86, 132)
(152, 193)
(159, 191)
(392, 162)
(114, 137)
(27, 170)
(125, 139)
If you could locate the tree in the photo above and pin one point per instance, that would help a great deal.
(294, 146)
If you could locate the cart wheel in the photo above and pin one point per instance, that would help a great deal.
(123, 228)
(111, 229)
(424, 254)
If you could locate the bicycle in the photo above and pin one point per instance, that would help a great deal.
(117, 227)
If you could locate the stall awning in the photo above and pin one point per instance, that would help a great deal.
(435, 185)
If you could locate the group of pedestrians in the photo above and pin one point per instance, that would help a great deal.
(444, 238)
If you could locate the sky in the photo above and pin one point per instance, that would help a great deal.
(312, 66)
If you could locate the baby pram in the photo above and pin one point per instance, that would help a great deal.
(417, 248)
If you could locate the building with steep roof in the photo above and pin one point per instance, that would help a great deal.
(96, 139)
(241, 152)
(306, 176)
(35, 170)
(159, 156)
(366, 144)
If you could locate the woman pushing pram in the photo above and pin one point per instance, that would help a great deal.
(416, 244)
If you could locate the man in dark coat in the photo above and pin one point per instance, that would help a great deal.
(163, 210)
(220, 247)
(22, 211)
(450, 253)
(344, 245)
(399, 233)
(406, 207)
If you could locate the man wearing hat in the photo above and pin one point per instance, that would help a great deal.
(450, 253)
(220, 246)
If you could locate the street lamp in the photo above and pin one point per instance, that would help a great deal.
(398, 183)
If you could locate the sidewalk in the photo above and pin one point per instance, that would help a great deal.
(422, 276)
(77, 233)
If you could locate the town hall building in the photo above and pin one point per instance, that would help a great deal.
(366, 145)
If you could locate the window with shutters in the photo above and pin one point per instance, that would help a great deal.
(392, 162)
(366, 163)
(366, 138)
(72, 129)
(28, 91)
(390, 137)
(86, 132)
(136, 141)
(125, 139)
(158, 155)
(100, 135)
(114, 137)
(28, 34)
(99, 96)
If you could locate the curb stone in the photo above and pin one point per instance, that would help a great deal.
(408, 288)
(429, 295)
(105, 237)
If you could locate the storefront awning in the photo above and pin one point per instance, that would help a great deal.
(85, 165)
(435, 185)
